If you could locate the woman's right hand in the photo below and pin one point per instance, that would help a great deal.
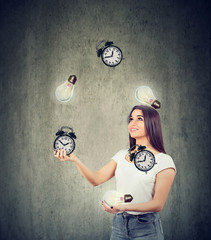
(62, 156)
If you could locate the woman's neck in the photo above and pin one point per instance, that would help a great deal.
(145, 142)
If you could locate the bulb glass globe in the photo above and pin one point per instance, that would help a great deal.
(64, 92)
(145, 96)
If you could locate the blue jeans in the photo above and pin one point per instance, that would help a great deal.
(139, 227)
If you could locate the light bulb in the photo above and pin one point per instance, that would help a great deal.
(64, 92)
(113, 198)
(146, 97)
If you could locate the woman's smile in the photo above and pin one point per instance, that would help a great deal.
(133, 129)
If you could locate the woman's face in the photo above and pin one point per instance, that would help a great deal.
(136, 124)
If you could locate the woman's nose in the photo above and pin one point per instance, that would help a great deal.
(133, 123)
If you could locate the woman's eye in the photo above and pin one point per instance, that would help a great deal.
(130, 119)
(140, 119)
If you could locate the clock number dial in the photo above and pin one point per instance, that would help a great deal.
(65, 142)
(144, 160)
(112, 56)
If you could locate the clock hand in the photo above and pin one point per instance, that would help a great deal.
(108, 56)
(61, 143)
(139, 161)
(66, 144)
(142, 160)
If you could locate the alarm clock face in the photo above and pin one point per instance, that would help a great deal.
(65, 142)
(144, 160)
(112, 56)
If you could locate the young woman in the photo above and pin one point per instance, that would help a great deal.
(140, 218)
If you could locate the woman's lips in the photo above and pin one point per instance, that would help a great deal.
(133, 129)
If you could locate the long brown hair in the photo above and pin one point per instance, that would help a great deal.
(152, 127)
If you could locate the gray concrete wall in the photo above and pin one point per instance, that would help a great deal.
(166, 45)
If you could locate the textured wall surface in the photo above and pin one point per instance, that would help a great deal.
(166, 45)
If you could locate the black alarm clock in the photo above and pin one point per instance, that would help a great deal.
(65, 140)
(144, 160)
(111, 55)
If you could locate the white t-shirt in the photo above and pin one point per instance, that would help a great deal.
(130, 180)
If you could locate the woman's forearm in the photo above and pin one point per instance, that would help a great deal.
(151, 206)
(164, 180)
(95, 178)
(87, 173)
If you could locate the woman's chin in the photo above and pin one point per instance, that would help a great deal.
(136, 136)
(133, 135)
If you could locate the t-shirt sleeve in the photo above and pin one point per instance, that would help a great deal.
(164, 162)
(117, 156)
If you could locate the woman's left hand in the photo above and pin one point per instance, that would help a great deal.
(113, 209)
